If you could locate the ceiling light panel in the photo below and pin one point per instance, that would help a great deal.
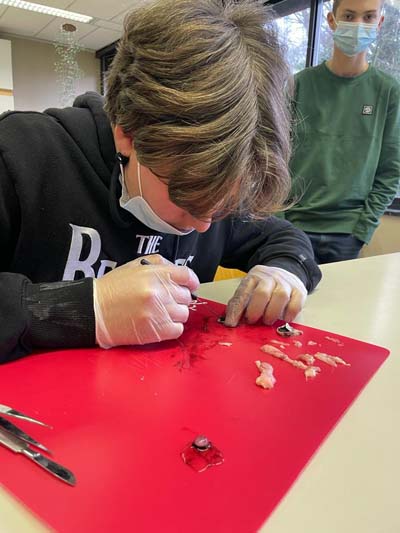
(47, 10)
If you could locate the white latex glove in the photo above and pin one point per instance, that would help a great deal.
(138, 304)
(266, 293)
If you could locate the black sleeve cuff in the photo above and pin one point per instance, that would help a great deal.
(61, 314)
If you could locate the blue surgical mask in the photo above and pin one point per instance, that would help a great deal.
(354, 37)
(140, 209)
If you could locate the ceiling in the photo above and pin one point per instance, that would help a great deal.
(104, 29)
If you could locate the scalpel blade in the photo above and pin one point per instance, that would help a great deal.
(9, 411)
(17, 432)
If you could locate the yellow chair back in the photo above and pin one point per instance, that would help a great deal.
(228, 273)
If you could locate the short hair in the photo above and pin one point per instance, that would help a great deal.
(337, 2)
(335, 6)
(203, 88)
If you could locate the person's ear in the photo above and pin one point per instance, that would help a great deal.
(123, 141)
(381, 22)
(331, 21)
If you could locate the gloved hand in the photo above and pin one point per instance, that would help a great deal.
(266, 293)
(138, 304)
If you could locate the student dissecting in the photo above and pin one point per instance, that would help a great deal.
(184, 164)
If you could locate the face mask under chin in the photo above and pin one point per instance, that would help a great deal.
(142, 210)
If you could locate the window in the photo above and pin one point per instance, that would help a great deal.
(385, 53)
(106, 55)
(325, 36)
(293, 30)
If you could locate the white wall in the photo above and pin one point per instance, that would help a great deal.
(35, 79)
(6, 77)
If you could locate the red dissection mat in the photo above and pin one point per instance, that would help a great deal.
(121, 419)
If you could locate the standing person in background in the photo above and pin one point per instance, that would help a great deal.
(346, 161)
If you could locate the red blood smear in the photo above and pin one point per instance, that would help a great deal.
(200, 460)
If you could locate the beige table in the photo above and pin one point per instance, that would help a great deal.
(352, 483)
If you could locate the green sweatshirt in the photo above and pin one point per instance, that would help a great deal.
(346, 159)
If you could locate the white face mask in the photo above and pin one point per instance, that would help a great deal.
(140, 209)
(354, 37)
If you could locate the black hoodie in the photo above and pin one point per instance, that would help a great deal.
(61, 225)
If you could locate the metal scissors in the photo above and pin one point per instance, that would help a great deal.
(15, 430)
